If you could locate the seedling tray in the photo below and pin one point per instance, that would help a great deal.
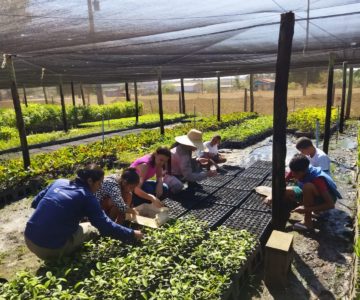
(231, 197)
(212, 213)
(243, 183)
(191, 196)
(267, 182)
(205, 189)
(230, 170)
(256, 202)
(218, 181)
(175, 208)
(254, 173)
(262, 164)
(255, 222)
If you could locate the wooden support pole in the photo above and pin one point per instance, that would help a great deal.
(162, 130)
(127, 91)
(305, 83)
(136, 103)
(333, 94)
(18, 113)
(328, 104)
(82, 94)
(343, 97)
(280, 115)
(252, 92)
(63, 109)
(183, 96)
(99, 94)
(218, 97)
(349, 95)
(73, 94)
(180, 106)
(25, 98)
(245, 100)
(45, 95)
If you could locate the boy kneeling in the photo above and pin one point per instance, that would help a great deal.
(315, 190)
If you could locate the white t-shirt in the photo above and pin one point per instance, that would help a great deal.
(212, 149)
(320, 159)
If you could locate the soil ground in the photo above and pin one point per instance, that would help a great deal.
(323, 263)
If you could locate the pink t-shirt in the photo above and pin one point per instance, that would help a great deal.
(145, 160)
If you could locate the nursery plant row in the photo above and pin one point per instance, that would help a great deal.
(44, 118)
(181, 260)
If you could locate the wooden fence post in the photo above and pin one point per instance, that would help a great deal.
(218, 97)
(343, 98)
(349, 96)
(162, 130)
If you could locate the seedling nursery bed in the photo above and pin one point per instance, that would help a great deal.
(231, 197)
(256, 202)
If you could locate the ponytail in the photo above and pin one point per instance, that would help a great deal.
(92, 171)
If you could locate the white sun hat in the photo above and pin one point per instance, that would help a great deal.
(193, 139)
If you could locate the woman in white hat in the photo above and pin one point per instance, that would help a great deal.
(181, 157)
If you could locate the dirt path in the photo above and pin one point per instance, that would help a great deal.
(323, 263)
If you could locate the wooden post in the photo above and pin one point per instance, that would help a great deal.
(127, 91)
(183, 96)
(73, 93)
(349, 95)
(25, 98)
(136, 104)
(45, 95)
(305, 83)
(218, 98)
(62, 100)
(162, 130)
(245, 100)
(251, 92)
(280, 116)
(17, 107)
(99, 94)
(180, 106)
(333, 94)
(343, 96)
(328, 104)
(82, 94)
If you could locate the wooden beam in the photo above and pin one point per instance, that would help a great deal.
(183, 96)
(73, 94)
(136, 103)
(280, 116)
(162, 130)
(18, 113)
(343, 98)
(45, 95)
(82, 94)
(180, 106)
(349, 95)
(63, 109)
(245, 100)
(127, 91)
(218, 97)
(25, 98)
(328, 104)
(251, 92)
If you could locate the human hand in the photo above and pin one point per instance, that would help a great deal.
(211, 173)
(133, 211)
(203, 160)
(157, 203)
(138, 235)
(268, 201)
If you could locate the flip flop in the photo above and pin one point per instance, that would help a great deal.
(301, 227)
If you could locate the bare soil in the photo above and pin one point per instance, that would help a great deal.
(323, 265)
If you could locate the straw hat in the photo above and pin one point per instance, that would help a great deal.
(193, 139)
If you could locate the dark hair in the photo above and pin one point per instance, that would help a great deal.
(130, 176)
(160, 151)
(303, 143)
(92, 171)
(218, 137)
(299, 163)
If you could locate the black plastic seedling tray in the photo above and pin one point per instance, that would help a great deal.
(231, 197)
(212, 213)
(230, 170)
(254, 173)
(176, 209)
(262, 164)
(243, 183)
(191, 196)
(218, 181)
(267, 182)
(255, 222)
(256, 202)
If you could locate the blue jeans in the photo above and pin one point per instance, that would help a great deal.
(150, 188)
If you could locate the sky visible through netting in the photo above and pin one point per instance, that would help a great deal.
(107, 41)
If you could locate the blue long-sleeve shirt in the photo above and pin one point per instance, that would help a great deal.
(59, 209)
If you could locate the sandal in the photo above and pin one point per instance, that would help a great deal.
(301, 227)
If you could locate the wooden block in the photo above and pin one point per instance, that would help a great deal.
(278, 257)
